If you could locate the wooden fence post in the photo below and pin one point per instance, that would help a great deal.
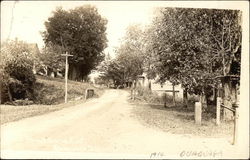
(236, 116)
(218, 105)
(173, 95)
(198, 111)
(131, 94)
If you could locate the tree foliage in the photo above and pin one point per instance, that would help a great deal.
(194, 46)
(111, 71)
(52, 59)
(128, 63)
(17, 78)
(81, 32)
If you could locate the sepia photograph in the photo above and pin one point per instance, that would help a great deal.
(124, 79)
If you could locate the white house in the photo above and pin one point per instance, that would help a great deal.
(160, 88)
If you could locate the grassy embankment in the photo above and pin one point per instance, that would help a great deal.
(49, 97)
(150, 111)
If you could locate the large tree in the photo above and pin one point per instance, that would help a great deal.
(194, 46)
(128, 63)
(112, 71)
(80, 32)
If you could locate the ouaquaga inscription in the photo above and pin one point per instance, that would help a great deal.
(209, 153)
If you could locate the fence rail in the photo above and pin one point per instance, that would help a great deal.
(233, 110)
(235, 114)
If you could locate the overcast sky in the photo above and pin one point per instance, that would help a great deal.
(25, 19)
(29, 17)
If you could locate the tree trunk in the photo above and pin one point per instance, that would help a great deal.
(10, 95)
(55, 74)
(4, 94)
(149, 84)
(185, 97)
(214, 99)
(203, 100)
(49, 71)
(234, 93)
(227, 100)
(75, 73)
(72, 74)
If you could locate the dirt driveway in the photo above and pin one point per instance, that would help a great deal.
(102, 128)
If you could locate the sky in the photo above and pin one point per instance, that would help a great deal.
(25, 19)
(29, 17)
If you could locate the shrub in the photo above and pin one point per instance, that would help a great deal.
(149, 96)
(143, 93)
(17, 78)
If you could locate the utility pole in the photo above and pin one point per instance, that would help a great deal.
(66, 74)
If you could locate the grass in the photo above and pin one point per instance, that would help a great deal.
(151, 97)
(11, 113)
(150, 111)
(178, 120)
(51, 90)
(49, 98)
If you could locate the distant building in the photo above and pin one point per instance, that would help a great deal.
(39, 67)
(152, 84)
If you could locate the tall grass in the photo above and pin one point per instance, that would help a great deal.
(150, 96)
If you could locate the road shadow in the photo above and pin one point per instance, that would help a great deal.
(171, 107)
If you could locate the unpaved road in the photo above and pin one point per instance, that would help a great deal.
(102, 128)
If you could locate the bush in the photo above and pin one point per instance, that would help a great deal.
(149, 96)
(17, 80)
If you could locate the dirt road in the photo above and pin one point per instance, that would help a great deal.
(102, 128)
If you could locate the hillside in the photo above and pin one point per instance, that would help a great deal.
(49, 93)
(51, 90)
